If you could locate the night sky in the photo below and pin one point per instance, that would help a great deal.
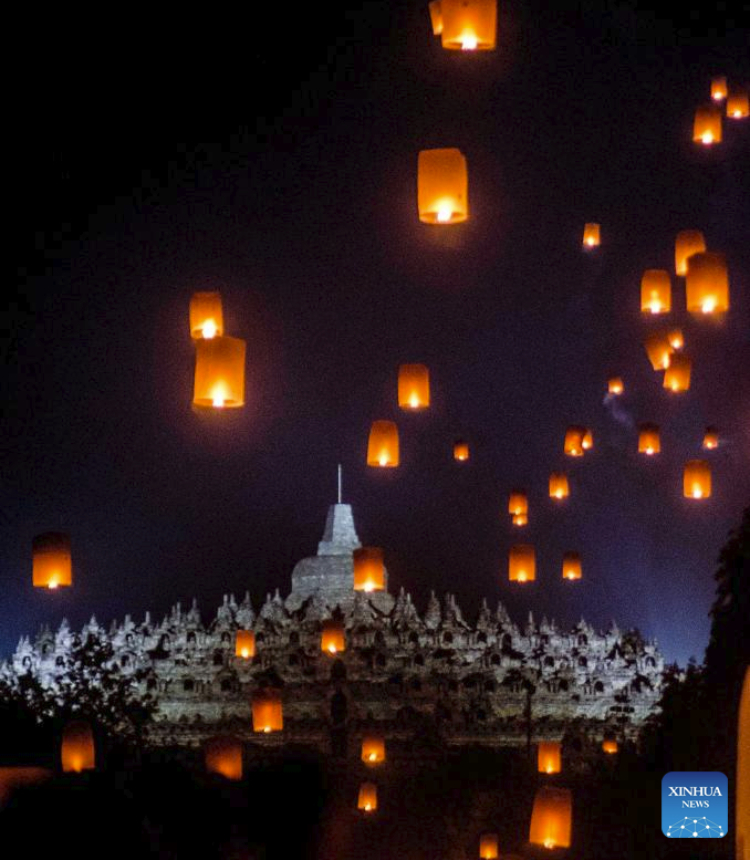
(164, 157)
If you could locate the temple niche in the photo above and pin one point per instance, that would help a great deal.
(411, 673)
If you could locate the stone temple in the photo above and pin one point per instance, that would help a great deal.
(408, 674)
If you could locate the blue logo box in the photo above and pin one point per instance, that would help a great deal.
(694, 805)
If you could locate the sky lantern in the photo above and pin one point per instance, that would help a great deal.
(489, 846)
(548, 757)
(571, 566)
(77, 751)
(609, 745)
(522, 563)
(738, 105)
(442, 186)
(520, 519)
(587, 440)
(742, 817)
(591, 235)
(206, 315)
(219, 373)
(244, 644)
(707, 125)
(551, 818)
(332, 639)
(369, 570)
(675, 338)
(465, 25)
(677, 375)
(558, 486)
(696, 480)
(223, 755)
(656, 291)
(710, 439)
(460, 451)
(518, 502)
(687, 243)
(367, 800)
(707, 284)
(718, 88)
(413, 386)
(52, 565)
(373, 749)
(268, 715)
(649, 441)
(382, 447)
(573, 445)
(615, 385)
(658, 350)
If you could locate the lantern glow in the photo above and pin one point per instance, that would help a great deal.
(442, 186)
(573, 445)
(206, 316)
(738, 106)
(244, 644)
(675, 338)
(518, 503)
(558, 486)
(707, 125)
(219, 373)
(522, 563)
(687, 243)
(587, 440)
(373, 749)
(460, 451)
(77, 751)
(551, 818)
(267, 711)
(707, 284)
(658, 350)
(223, 756)
(696, 480)
(710, 439)
(413, 386)
(609, 745)
(332, 639)
(382, 446)
(436, 17)
(489, 846)
(466, 25)
(615, 385)
(649, 441)
(591, 235)
(548, 758)
(367, 800)
(677, 375)
(571, 566)
(369, 570)
(52, 565)
(656, 291)
(719, 88)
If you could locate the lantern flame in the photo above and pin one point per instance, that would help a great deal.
(590, 241)
(549, 843)
(522, 576)
(332, 648)
(383, 458)
(737, 114)
(708, 306)
(267, 729)
(245, 653)
(54, 582)
(414, 401)
(369, 586)
(210, 329)
(373, 756)
(697, 491)
(707, 138)
(444, 213)
(469, 42)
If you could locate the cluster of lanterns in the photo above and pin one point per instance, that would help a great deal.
(219, 381)
(707, 125)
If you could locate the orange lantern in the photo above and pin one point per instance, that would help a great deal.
(656, 291)
(738, 106)
(658, 350)
(548, 757)
(332, 637)
(649, 441)
(587, 440)
(373, 749)
(615, 385)
(368, 797)
(369, 570)
(382, 447)
(677, 375)
(465, 25)
(719, 88)
(573, 445)
(223, 755)
(696, 480)
(489, 846)
(742, 817)
(551, 818)
(710, 439)
(244, 644)
(571, 566)
(206, 316)
(609, 745)
(518, 503)
(520, 519)
(687, 243)
(442, 186)
(268, 715)
(77, 752)
(413, 386)
(522, 563)
(707, 284)
(460, 451)
(591, 236)
(52, 564)
(675, 338)
(20, 777)
(219, 373)
(707, 125)
(558, 486)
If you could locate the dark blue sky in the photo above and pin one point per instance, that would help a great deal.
(160, 161)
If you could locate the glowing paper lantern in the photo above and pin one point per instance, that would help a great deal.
(591, 236)
(518, 502)
(548, 758)
(460, 451)
(658, 350)
(677, 375)
(687, 243)
(268, 715)
(244, 644)
(551, 818)
(489, 846)
(413, 386)
(465, 25)
(369, 570)
(675, 338)
(707, 284)
(696, 480)
(77, 752)
(219, 373)
(522, 563)
(719, 88)
(558, 486)
(332, 637)
(520, 519)
(710, 439)
(373, 749)
(571, 566)
(206, 315)
(223, 755)
(382, 447)
(742, 817)
(707, 125)
(12, 778)
(52, 564)
(649, 441)
(587, 440)
(609, 745)
(442, 186)
(656, 291)
(573, 445)
(368, 797)
(615, 385)
(738, 106)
